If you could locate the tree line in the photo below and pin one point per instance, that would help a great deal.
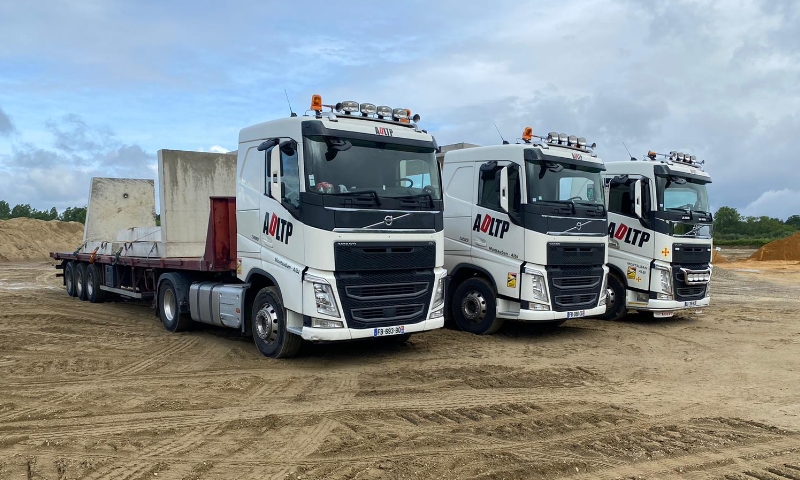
(70, 214)
(731, 228)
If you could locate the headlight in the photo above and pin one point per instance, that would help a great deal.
(326, 302)
(666, 281)
(438, 295)
(323, 296)
(603, 292)
(539, 289)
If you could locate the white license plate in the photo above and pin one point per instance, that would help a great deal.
(576, 314)
(693, 303)
(663, 314)
(384, 331)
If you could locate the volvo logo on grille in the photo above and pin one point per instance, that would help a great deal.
(388, 220)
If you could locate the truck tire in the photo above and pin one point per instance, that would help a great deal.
(475, 308)
(268, 321)
(69, 279)
(80, 280)
(169, 310)
(615, 302)
(93, 292)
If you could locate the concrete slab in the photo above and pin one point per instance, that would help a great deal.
(187, 180)
(116, 204)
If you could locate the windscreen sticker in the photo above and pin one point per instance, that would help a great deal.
(491, 226)
(628, 234)
(311, 181)
(511, 281)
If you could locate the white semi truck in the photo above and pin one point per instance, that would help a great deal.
(659, 233)
(335, 232)
(525, 232)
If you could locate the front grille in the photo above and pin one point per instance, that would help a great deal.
(402, 312)
(684, 292)
(380, 292)
(385, 299)
(363, 256)
(574, 288)
(688, 253)
(575, 253)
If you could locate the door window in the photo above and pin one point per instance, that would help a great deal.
(290, 178)
(620, 198)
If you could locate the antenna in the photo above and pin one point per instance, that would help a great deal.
(290, 103)
(505, 142)
(633, 159)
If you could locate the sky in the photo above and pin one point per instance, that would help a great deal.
(96, 88)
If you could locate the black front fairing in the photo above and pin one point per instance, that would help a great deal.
(329, 212)
(564, 219)
(683, 224)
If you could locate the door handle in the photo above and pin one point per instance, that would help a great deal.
(480, 242)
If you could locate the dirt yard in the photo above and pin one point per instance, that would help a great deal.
(103, 392)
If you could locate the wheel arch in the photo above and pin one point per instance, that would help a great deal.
(257, 279)
(464, 271)
(616, 271)
(182, 283)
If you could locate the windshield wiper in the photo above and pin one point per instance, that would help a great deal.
(371, 193)
(425, 194)
(558, 203)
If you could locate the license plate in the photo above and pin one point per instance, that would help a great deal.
(663, 314)
(693, 303)
(576, 314)
(382, 332)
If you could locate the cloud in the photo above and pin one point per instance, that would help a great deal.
(218, 149)
(775, 203)
(60, 175)
(6, 125)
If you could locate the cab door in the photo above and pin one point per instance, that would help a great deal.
(631, 246)
(498, 240)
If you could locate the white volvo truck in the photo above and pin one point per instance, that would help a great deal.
(525, 232)
(335, 233)
(659, 227)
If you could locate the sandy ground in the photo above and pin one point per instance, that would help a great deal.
(103, 392)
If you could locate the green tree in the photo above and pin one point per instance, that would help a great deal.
(21, 211)
(727, 220)
(5, 210)
(74, 214)
(793, 221)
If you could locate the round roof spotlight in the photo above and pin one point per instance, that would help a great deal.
(384, 111)
(350, 106)
(416, 118)
(552, 137)
(693, 158)
(581, 142)
(368, 109)
(562, 138)
(572, 139)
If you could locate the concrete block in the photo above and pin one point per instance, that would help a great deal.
(116, 204)
(186, 181)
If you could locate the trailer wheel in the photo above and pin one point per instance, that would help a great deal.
(475, 308)
(69, 279)
(615, 302)
(168, 309)
(269, 326)
(80, 280)
(93, 292)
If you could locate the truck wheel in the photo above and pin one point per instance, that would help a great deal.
(269, 326)
(474, 307)
(93, 292)
(615, 302)
(169, 310)
(69, 279)
(80, 280)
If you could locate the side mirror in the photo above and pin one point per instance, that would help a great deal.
(504, 189)
(637, 199)
(275, 184)
(288, 147)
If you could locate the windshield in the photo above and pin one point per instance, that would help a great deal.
(564, 183)
(681, 193)
(378, 169)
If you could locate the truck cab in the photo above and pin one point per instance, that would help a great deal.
(340, 228)
(525, 232)
(659, 228)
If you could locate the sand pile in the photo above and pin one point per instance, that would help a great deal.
(29, 239)
(717, 257)
(784, 249)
